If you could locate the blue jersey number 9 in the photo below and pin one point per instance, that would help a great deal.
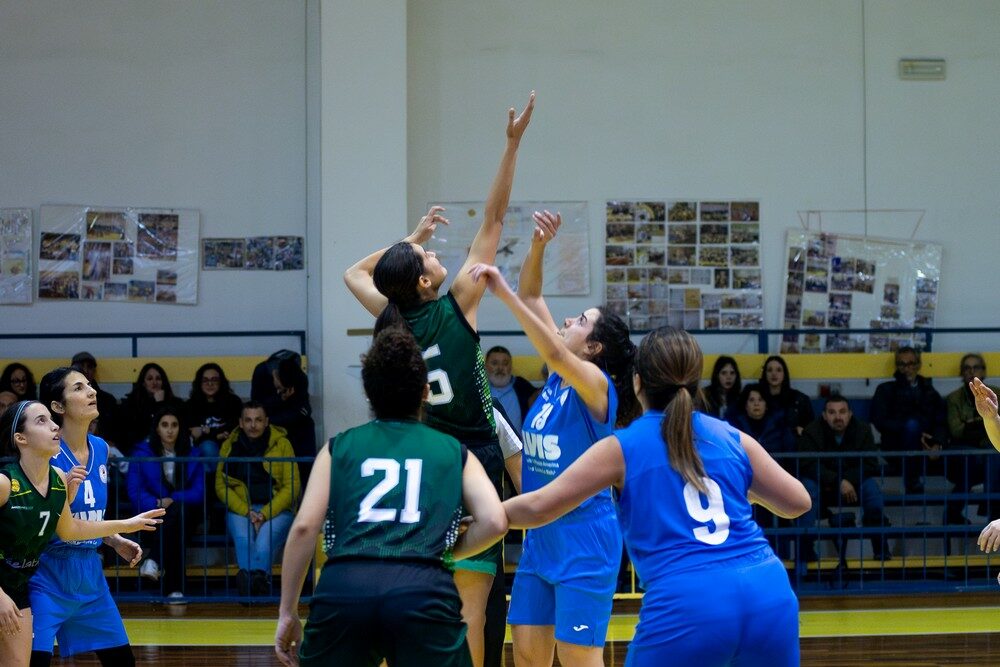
(714, 513)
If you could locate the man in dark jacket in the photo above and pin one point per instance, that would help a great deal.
(909, 414)
(834, 482)
(512, 391)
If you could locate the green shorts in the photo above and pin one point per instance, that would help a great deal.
(490, 455)
(365, 611)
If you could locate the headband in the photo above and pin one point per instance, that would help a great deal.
(17, 415)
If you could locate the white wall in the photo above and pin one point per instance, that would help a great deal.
(187, 104)
(728, 99)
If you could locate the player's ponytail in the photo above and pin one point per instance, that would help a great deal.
(52, 389)
(669, 365)
(12, 421)
(396, 276)
(617, 358)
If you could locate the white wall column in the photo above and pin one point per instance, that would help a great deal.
(363, 158)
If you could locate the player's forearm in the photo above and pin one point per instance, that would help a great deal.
(993, 430)
(529, 282)
(76, 530)
(294, 565)
(484, 246)
(481, 535)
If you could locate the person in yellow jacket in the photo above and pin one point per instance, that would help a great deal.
(260, 496)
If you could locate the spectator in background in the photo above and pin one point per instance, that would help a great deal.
(7, 399)
(213, 410)
(751, 415)
(835, 482)
(18, 379)
(780, 395)
(107, 405)
(294, 413)
(262, 383)
(910, 415)
(260, 497)
(176, 486)
(512, 391)
(150, 393)
(723, 390)
(968, 431)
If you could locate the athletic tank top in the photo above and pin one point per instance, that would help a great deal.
(27, 523)
(92, 497)
(395, 493)
(667, 524)
(557, 430)
(460, 403)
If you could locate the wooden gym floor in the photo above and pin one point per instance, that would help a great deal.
(911, 631)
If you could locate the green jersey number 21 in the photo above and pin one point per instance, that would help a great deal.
(367, 512)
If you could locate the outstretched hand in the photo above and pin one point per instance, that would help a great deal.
(546, 226)
(425, 228)
(986, 399)
(517, 125)
(989, 539)
(494, 279)
(145, 521)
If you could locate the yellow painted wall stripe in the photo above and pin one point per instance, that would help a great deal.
(845, 366)
(180, 370)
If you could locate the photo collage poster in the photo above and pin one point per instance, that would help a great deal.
(142, 255)
(837, 281)
(689, 264)
(15, 256)
(566, 271)
(255, 253)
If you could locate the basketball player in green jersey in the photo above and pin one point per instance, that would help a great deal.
(33, 506)
(399, 285)
(389, 496)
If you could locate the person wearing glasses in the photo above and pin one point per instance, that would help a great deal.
(968, 431)
(213, 409)
(909, 414)
(18, 379)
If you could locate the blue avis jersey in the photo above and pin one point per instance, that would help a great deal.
(668, 525)
(92, 497)
(557, 430)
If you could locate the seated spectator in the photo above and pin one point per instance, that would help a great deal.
(213, 410)
(723, 390)
(835, 482)
(294, 413)
(513, 392)
(150, 393)
(7, 399)
(107, 405)
(780, 395)
(259, 497)
(909, 414)
(176, 486)
(751, 415)
(262, 382)
(18, 379)
(968, 431)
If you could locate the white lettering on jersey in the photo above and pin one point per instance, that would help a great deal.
(542, 447)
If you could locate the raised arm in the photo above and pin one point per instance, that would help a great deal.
(359, 276)
(601, 466)
(986, 405)
(529, 283)
(484, 246)
(772, 486)
(588, 380)
(489, 523)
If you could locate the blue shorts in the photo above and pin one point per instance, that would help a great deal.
(739, 612)
(566, 578)
(71, 602)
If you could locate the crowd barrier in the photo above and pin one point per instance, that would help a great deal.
(928, 554)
